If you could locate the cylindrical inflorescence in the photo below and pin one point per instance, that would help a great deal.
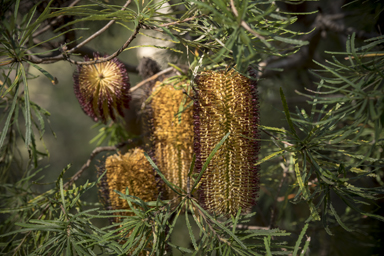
(172, 134)
(131, 170)
(226, 101)
(102, 88)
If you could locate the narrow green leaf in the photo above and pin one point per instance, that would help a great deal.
(180, 248)
(297, 246)
(336, 74)
(28, 123)
(372, 111)
(192, 167)
(306, 246)
(270, 156)
(282, 130)
(338, 219)
(291, 41)
(299, 179)
(381, 218)
(169, 184)
(51, 78)
(225, 229)
(190, 231)
(8, 121)
(62, 195)
(16, 9)
(267, 248)
(287, 114)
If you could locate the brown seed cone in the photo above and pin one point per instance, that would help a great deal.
(171, 137)
(227, 102)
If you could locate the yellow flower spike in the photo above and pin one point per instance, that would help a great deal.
(131, 170)
(227, 102)
(172, 139)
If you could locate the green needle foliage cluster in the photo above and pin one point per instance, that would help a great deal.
(328, 161)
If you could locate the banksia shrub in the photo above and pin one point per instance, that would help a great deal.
(131, 170)
(227, 102)
(171, 135)
(102, 88)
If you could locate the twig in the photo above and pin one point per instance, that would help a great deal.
(180, 21)
(98, 32)
(282, 141)
(93, 154)
(37, 60)
(243, 23)
(64, 56)
(151, 78)
(323, 22)
(53, 22)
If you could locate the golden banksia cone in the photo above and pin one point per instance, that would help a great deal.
(227, 102)
(101, 88)
(171, 138)
(131, 170)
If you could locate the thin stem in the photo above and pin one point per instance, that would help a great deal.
(243, 23)
(93, 155)
(98, 32)
(65, 55)
(150, 79)
(39, 32)
(37, 60)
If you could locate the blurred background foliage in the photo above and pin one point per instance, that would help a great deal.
(302, 54)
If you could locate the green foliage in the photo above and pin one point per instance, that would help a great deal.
(339, 145)
(330, 155)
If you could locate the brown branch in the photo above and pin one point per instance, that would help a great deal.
(38, 60)
(65, 55)
(98, 32)
(93, 155)
(151, 78)
(243, 23)
(54, 22)
(323, 22)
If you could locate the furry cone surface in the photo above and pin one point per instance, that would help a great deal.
(226, 101)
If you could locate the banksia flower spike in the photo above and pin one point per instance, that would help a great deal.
(101, 88)
(227, 102)
(131, 170)
(171, 138)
